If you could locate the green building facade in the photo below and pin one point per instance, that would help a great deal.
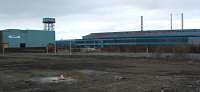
(15, 38)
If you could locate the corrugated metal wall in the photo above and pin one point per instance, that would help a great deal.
(31, 38)
(194, 40)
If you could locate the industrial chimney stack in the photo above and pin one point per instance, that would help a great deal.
(171, 21)
(142, 25)
(182, 21)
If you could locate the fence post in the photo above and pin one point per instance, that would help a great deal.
(47, 50)
(70, 48)
(55, 49)
(3, 51)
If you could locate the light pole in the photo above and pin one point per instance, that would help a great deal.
(3, 50)
(55, 49)
(70, 47)
(94, 44)
(47, 49)
(102, 44)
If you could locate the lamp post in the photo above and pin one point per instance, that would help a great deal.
(47, 49)
(70, 47)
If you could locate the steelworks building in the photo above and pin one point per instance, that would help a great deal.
(139, 41)
(15, 38)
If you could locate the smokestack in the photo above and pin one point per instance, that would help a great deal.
(182, 21)
(171, 21)
(142, 23)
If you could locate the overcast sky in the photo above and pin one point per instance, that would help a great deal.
(76, 18)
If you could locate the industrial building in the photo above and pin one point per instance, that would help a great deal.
(182, 40)
(15, 38)
(139, 41)
(29, 39)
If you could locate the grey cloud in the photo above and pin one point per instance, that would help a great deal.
(25, 8)
(165, 4)
(111, 14)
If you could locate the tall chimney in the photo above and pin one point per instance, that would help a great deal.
(182, 21)
(142, 23)
(171, 21)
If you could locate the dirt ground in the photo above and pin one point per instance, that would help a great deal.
(23, 73)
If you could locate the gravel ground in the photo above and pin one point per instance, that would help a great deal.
(24, 73)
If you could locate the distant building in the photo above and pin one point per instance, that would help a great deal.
(140, 41)
(15, 38)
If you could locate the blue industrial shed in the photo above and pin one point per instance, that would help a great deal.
(155, 37)
(15, 38)
(137, 39)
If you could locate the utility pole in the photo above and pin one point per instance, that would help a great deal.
(102, 45)
(3, 50)
(55, 49)
(47, 49)
(70, 47)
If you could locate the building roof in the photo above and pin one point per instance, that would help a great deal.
(20, 30)
(148, 33)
